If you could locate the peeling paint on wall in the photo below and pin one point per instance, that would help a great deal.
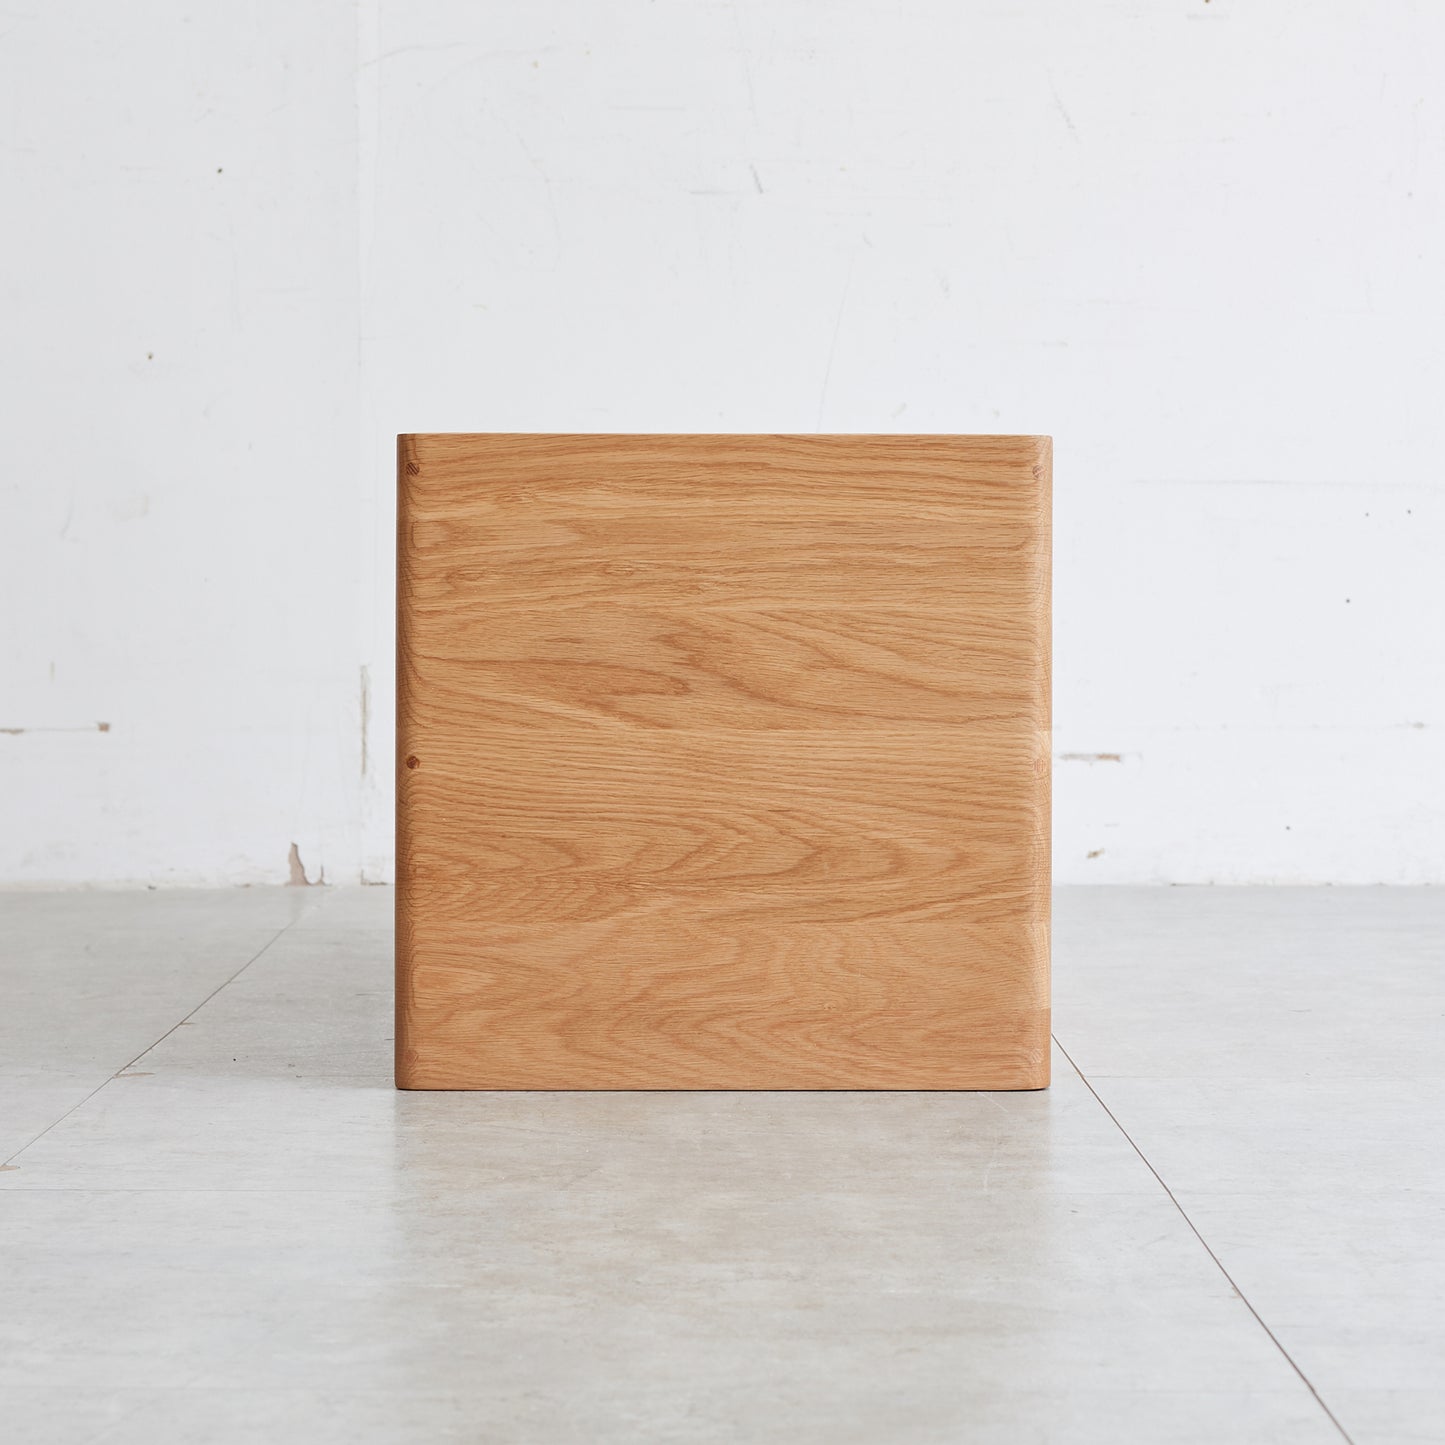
(298, 878)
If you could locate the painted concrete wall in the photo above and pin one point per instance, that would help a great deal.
(179, 553)
(1197, 240)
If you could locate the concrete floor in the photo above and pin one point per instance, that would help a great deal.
(1225, 1222)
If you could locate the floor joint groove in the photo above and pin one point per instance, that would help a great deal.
(155, 1043)
(1194, 1229)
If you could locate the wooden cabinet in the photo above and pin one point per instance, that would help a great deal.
(723, 762)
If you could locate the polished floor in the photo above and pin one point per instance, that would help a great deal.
(1224, 1223)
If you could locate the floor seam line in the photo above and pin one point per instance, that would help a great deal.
(1194, 1229)
(150, 1046)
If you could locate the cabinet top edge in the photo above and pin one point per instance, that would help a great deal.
(880, 437)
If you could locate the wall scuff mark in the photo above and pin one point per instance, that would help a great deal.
(365, 715)
(100, 727)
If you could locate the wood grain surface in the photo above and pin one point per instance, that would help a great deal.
(723, 762)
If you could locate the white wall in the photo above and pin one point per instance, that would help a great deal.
(1199, 241)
